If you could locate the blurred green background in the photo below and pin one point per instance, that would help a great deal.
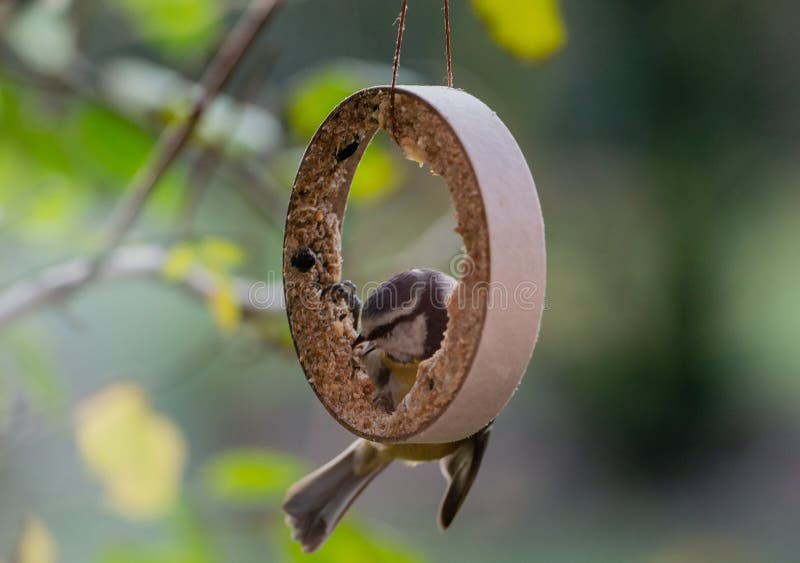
(141, 422)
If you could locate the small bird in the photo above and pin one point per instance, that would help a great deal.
(402, 323)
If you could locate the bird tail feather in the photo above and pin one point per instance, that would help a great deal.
(315, 504)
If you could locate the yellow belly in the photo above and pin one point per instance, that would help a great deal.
(418, 452)
(406, 373)
(404, 376)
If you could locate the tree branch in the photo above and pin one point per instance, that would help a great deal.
(58, 282)
(172, 142)
(63, 280)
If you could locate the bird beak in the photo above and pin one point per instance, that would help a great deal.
(362, 346)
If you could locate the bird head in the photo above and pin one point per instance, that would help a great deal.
(406, 316)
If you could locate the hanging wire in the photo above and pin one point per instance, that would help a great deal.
(447, 43)
(396, 67)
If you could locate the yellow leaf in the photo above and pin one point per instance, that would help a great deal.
(179, 262)
(137, 454)
(224, 305)
(220, 254)
(36, 544)
(529, 29)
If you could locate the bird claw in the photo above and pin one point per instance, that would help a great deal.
(346, 290)
(383, 400)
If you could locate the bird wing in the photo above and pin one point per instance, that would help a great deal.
(460, 470)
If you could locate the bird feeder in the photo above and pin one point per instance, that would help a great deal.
(495, 312)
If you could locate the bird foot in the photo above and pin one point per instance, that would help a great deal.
(346, 290)
(383, 401)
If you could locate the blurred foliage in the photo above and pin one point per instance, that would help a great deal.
(217, 258)
(26, 356)
(377, 175)
(5, 403)
(250, 476)
(707, 549)
(532, 30)
(41, 34)
(352, 543)
(187, 542)
(761, 315)
(114, 145)
(670, 193)
(313, 99)
(241, 130)
(36, 544)
(178, 27)
(38, 194)
(142, 89)
(137, 454)
(51, 165)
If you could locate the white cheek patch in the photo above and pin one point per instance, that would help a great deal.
(388, 316)
(406, 342)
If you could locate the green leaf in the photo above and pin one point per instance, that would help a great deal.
(531, 30)
(377, 175)
(250, 476)
(178, 27)
(315, 97)
(349, 543)
(114, 145)
(112, 149)
(31, 131)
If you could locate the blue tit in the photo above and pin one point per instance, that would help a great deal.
(402, 323)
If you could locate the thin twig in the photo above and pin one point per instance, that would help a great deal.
(447, 43)
(202, 172)
(205, 164)
(63, 280)
(396, 66)
(253, 186)
(172, 142)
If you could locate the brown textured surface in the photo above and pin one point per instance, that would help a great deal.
(323, 331)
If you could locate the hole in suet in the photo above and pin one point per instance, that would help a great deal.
(348, 151)
(304, 259)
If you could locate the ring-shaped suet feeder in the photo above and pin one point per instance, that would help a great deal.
(495, 311)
